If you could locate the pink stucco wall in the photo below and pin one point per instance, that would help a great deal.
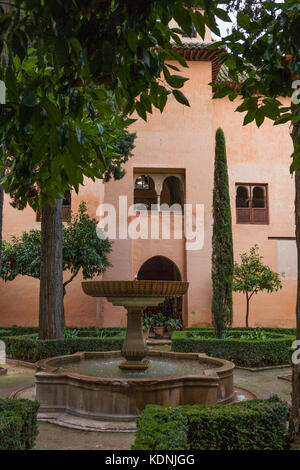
(182, 139)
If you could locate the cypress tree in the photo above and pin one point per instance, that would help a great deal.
(222, 246)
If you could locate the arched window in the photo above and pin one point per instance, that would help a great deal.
(172, 192)
(144, 192)
(251, 204)
(242, 196)
(142, 182)
(258, 197)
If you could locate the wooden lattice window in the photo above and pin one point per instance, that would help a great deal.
(252, 204)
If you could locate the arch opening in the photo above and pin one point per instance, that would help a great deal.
(242, 197)
(144, 192)
(160, 268)
(172, 192)
(258, 197)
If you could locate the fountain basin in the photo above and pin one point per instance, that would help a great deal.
(137, 289)
(123, 398)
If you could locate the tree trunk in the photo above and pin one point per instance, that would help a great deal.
(294, 425)
(1, 215)
(51, 279)
(247, 311)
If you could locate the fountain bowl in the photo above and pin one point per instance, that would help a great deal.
(134, 288)
(122, 398)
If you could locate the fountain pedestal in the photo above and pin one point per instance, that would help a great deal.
(135, 296)
(134, 348)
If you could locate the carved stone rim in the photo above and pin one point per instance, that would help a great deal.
(47, 366)
(135, 288)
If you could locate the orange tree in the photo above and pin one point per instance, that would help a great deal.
(263, 64)
(253, 276)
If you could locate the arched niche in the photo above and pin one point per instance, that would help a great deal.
(144, 192)
(172, 192)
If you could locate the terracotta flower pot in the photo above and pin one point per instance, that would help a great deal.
(159, 331)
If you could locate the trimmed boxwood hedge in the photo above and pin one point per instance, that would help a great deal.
(274, 350)
(249, 425)
(82, 331)
(18, 424)
(30, 348)
(288, 331)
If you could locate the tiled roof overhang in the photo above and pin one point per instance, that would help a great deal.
(198, 51)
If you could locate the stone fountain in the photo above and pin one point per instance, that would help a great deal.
(135, 296)
(116, 386)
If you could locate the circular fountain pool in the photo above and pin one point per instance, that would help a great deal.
(157, 368)
(91, 384)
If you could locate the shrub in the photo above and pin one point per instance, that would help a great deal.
(18, 424)
(237, 347)
(250, 425)
(30, 348)
(10, 432)
(161, 428)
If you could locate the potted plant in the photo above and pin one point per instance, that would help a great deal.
(173, 324)
(159, 321)
(147, 324)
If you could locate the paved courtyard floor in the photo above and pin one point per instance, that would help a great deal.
(52, 437)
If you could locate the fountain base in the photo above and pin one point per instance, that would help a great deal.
(68, 384)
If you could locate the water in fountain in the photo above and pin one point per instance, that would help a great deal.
(158, 368)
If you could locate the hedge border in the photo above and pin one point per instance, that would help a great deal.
(18, 424)
(253, 353)
(250, 425)
(28, 348)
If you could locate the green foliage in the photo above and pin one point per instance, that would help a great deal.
(75, 71)
(243, 347)
(161, 428)
(252, 276)
(250, 425)
(159, 319)
(175, 323)
(10, 433)
(222, 247)
(71, 333)
(30, 348)
(147, 322)
(82, 250)
(18, 424)
(262, 60)
(254, 335)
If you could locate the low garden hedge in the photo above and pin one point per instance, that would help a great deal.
(288, 331)
(18, 424)
(273, 350)
(30, 348)
(82, 330)
(250, 425)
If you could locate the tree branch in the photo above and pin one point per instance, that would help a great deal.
(68, 282)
